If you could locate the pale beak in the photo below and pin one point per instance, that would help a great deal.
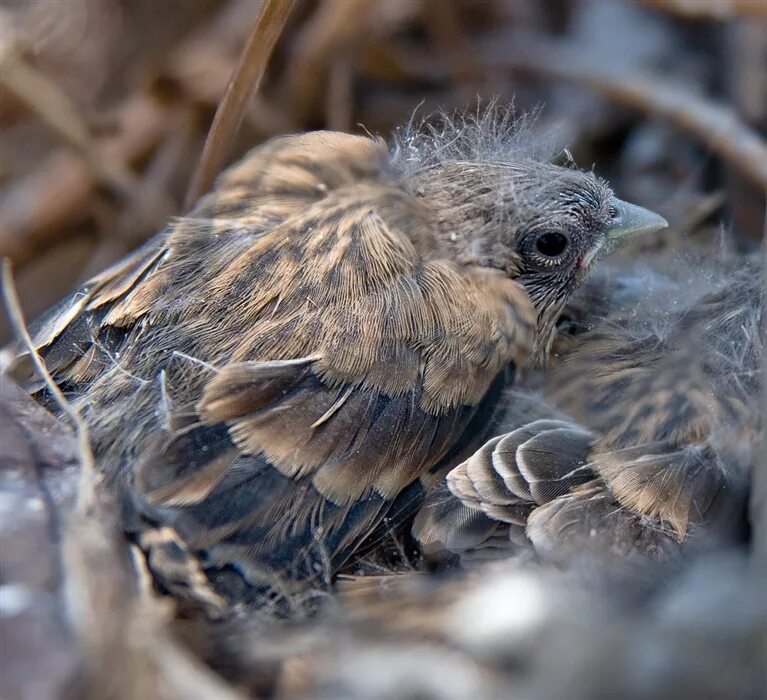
(629, 221)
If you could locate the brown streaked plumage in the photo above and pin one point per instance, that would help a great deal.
(270, 376)
(662, 375)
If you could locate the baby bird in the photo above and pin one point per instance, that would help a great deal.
(270, 377)
(656, 382)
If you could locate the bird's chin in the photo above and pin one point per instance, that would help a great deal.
(584, 268)
(545, 334)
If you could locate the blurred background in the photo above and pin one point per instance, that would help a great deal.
(104, 110)
(105, 104)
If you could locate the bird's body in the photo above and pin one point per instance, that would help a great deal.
(673, 375)
(651, 431)
(272, 375)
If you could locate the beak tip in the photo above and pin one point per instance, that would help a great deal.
(631, 220)
(660, 223)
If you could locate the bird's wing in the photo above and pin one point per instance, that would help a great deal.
(361, 370)
(574, 494)
(644, 500)
(337, 364)
(587, 526)
(503, 482)
(656, 414)
(682, 487)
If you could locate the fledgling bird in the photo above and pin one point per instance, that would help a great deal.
(269, 377)
(649, 438)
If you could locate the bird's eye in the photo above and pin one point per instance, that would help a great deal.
(551, 244)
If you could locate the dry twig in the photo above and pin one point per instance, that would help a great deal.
(65, 183)
(712, 123)
(87, 464)
(711, 9)
(330, 32)
(245, 80)
(54, 109)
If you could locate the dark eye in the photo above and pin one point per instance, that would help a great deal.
(551, 244)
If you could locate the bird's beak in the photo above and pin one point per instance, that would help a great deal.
(629, 221)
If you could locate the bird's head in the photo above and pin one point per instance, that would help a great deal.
(542, 224)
